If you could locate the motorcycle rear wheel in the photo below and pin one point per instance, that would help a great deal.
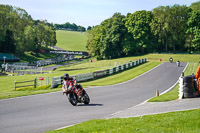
(87, 99)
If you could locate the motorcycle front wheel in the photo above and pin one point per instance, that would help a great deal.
(72, 99)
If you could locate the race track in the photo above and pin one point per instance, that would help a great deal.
(39, 113)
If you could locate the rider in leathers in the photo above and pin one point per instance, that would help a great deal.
(68, 83)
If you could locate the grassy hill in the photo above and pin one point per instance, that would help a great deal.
(70, 40)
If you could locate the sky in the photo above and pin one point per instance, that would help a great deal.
(86, 12)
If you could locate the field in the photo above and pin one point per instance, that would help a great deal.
(70, 40)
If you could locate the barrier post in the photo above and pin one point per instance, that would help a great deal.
(35, 82)
(15, 85)
(157, 93)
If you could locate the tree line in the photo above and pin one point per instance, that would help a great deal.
(164, 29)
(70, 27)
(20, 33)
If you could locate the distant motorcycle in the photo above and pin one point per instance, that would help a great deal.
(170, 59)
(178, 63)
(77, 95)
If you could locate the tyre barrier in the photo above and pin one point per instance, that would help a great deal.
(187, 87)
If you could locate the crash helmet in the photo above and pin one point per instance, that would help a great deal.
(66, 76)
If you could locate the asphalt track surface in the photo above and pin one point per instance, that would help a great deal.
(40, 113)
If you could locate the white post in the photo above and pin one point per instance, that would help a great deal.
(4, 60)
(180, 87)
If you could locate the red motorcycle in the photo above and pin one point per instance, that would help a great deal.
(77, 95)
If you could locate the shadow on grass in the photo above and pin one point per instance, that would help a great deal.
(75, 69)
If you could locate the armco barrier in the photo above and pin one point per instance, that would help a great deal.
(87, 76)
(99, 74)
(83, 77)
(56, 81)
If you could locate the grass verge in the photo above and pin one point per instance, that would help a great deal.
(173, 122)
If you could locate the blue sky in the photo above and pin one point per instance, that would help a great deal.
(86, 12)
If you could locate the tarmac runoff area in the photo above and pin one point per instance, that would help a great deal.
(150, 108)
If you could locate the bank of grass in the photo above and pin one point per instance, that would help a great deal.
(173, 94)
(71, 40)
(173, 122)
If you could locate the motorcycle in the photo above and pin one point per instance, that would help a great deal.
(178, 63)
(77, 95)
(171, 60)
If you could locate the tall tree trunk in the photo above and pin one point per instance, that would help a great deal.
(166, 44)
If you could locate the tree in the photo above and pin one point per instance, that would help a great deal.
(178, 16)
(93, 40)
(169, 27)
(114, 36)
(193, 30)
(105, 41)
(70, 27)
(160, 27)
(89, 28)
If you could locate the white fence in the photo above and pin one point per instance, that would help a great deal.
(32, 66)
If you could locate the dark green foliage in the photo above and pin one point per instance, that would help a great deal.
(20, 33)
(193, 30)
(7, 45)
(138, 24)
(70, 27)
(105, 41)
(169, 27)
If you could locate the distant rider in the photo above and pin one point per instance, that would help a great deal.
(68, 83)
(178, 63)
(171, 59)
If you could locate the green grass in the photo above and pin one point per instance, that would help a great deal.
(169, 96)
(173, 94)
(70, 40)
(173, 122)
